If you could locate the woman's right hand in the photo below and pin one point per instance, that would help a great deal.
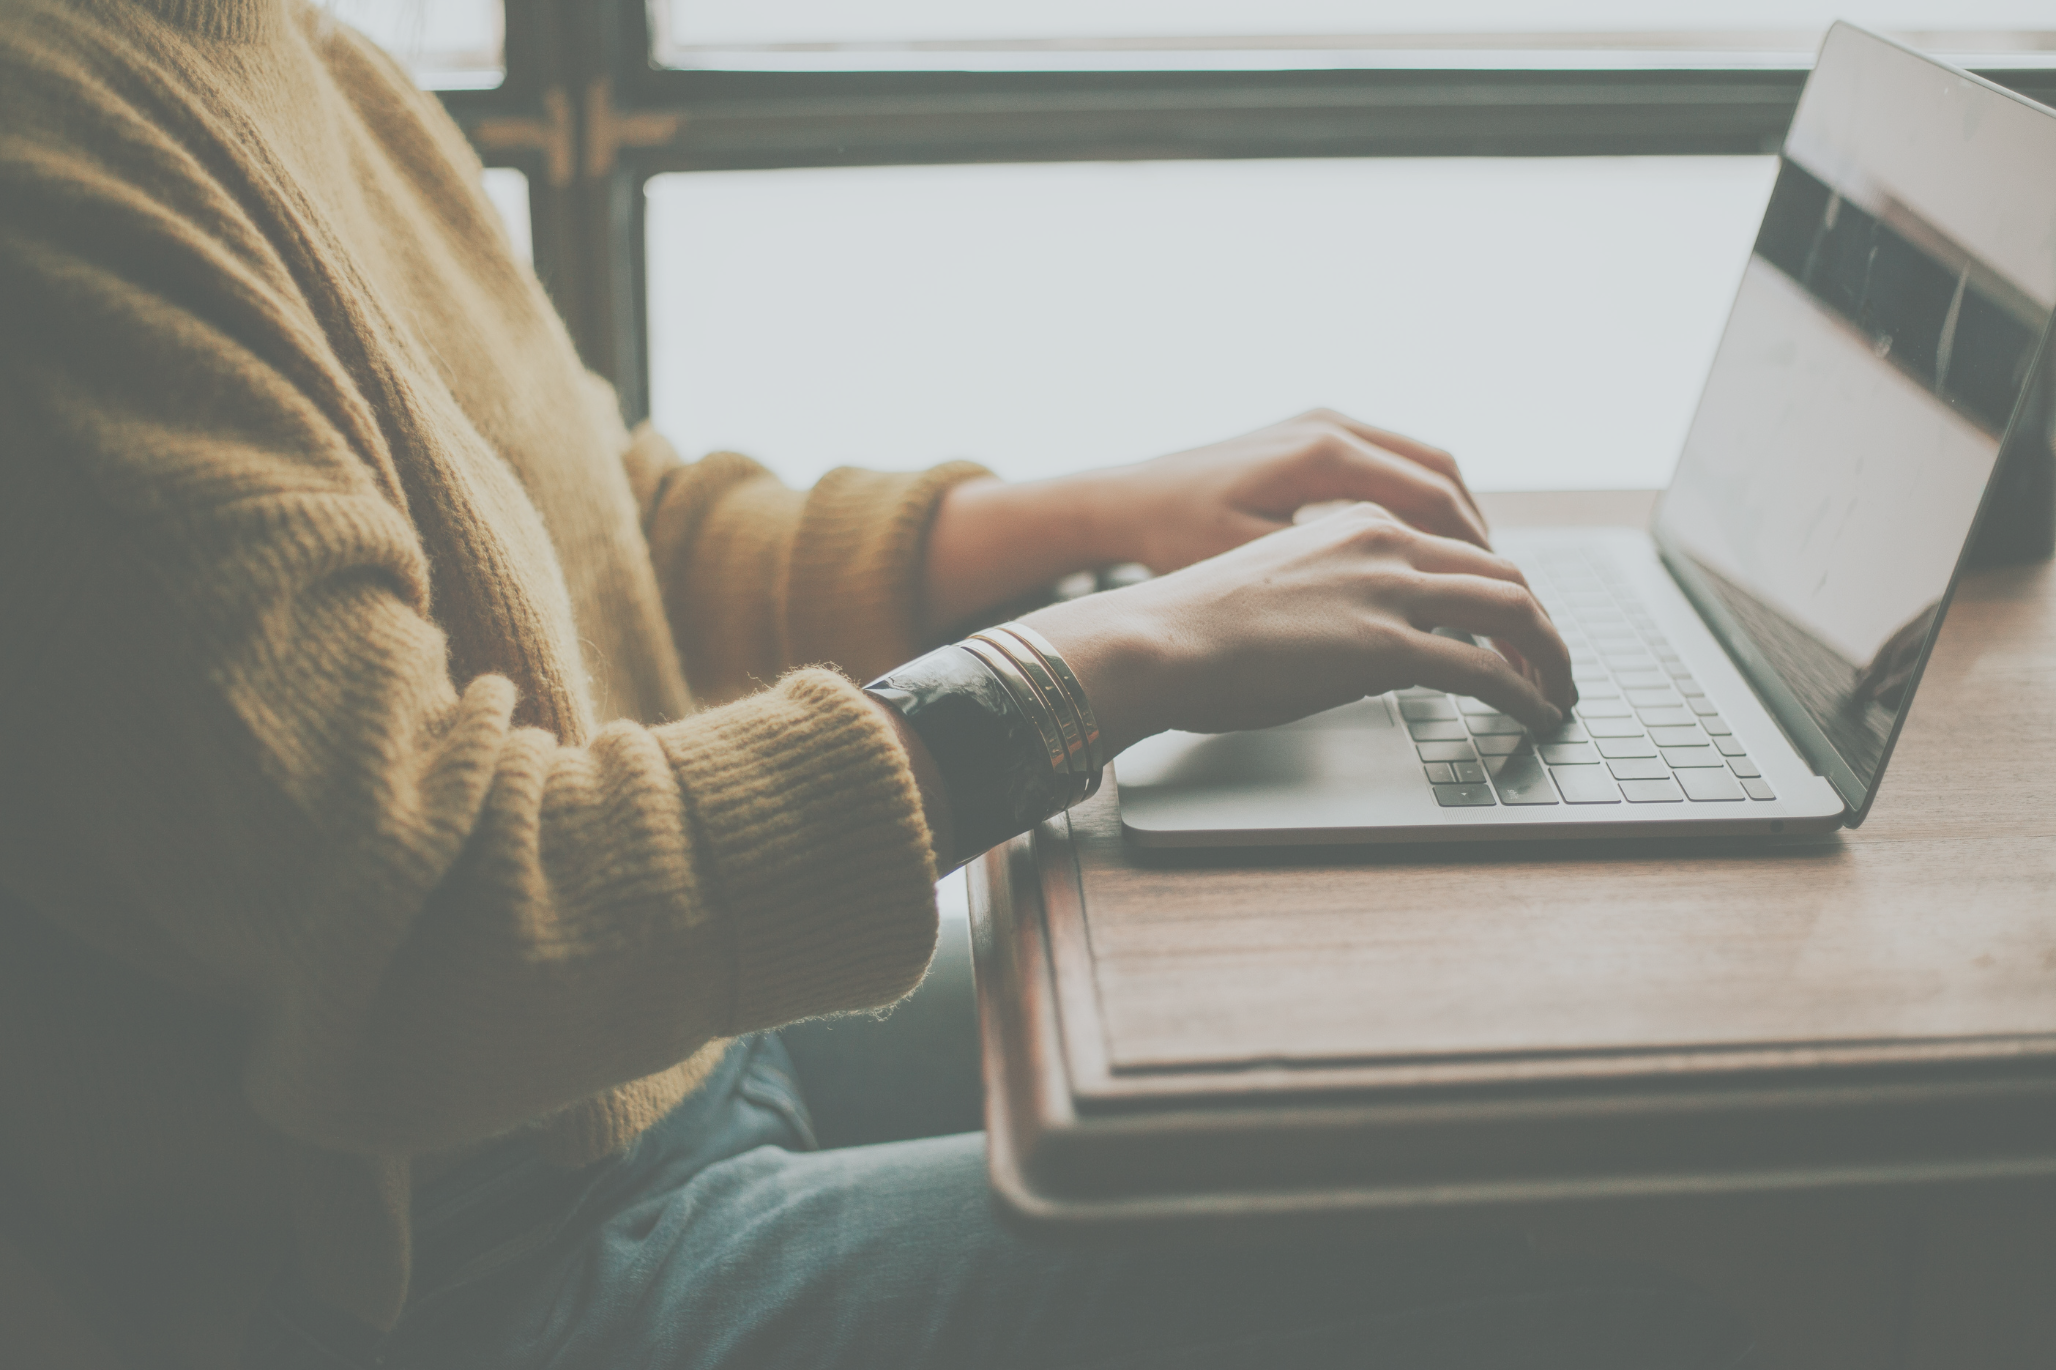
(1305, 619)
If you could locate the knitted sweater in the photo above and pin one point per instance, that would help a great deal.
(353, 805)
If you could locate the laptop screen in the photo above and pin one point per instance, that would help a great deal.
(1883, 338)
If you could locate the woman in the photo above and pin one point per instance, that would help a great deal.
(381, 913)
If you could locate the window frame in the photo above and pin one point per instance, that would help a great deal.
(588, 116)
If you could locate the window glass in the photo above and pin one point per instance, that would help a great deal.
(446, 44)
(955, 34)
(508, 190)
(1550, 320)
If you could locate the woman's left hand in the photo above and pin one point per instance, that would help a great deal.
(1188, 506)
(993, 541)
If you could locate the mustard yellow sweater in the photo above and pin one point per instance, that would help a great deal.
(353, 805)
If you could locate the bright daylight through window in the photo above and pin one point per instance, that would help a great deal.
(834, 35)
(446, 44)
(1549, 319)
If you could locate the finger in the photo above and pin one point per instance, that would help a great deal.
(1448, 556)
(1413, 449)
(1454, 557)
(1462, 668)
(1426, 499)
(1504, 612)
(1320, 509)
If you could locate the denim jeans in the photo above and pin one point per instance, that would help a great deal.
(726, 1238)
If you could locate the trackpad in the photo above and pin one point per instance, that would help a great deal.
(1325, 769)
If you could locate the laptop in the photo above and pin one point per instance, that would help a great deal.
(1745, 665)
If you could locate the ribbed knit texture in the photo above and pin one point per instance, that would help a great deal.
(353, 804)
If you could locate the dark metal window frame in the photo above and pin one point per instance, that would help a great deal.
(586, 114)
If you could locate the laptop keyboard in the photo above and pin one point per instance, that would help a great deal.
(1643, 732)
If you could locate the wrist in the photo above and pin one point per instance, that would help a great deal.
(1099, 506)
(993, 541)
(1120, 665)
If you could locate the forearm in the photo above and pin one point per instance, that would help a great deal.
(993, 542)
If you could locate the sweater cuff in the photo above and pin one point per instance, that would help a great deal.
(810, 830)
(855, 588)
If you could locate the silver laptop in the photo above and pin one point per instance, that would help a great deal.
(1744, 666)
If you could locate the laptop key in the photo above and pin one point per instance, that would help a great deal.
(1743, 766)
(1729, 746)
(1604, 708)
(1700, 704)
(1445, 751)
(1685, 685)
(1488, 725)
(1613, 727)
(1464, 796)
(1639, 768)
(1586, 785)
(1687, 736)
(1652, 792)
(1716, 725)
(1502, 744)
(1422, 710)
(1655, 699)
(1612, 747)
(1667, 718)
(1475, 706)
(1439, 772)
(1692, 758)
(1708, 787)
(1565, 732)
(1569, 754)
(1524, 780)
(1639, 680)
(1437, 732)
(1759, 789)
(1468, 772)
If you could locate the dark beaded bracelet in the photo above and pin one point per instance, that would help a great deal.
(992, 757)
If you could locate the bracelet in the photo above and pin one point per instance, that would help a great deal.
(1034, 688)
(1008, 726)
(1074, 697)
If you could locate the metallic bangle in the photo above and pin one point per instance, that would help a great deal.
(1095, 750)
(1028, 699)
(1004, 771)
(1009, 727)
(1050, 696)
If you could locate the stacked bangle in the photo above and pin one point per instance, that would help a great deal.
(1007, 724)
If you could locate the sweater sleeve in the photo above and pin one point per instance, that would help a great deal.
(241, 759)
(758, 578)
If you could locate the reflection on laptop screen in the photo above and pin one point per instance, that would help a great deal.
(1880, 344)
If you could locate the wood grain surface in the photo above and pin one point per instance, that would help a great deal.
(1932, 928)
(1161, 1030)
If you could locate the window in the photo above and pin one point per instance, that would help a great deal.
(1548, 319)
(702, 181)
(920, 35)
(507, 188)
(448, 44)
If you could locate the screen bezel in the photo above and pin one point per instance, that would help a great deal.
(1806, 735)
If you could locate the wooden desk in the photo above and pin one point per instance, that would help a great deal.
(1310, 1038)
